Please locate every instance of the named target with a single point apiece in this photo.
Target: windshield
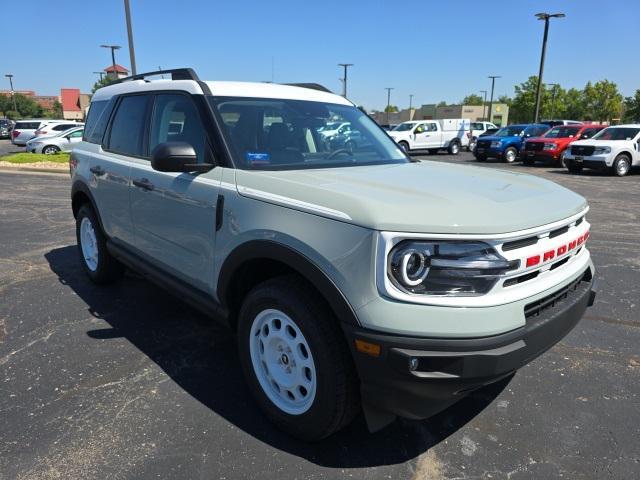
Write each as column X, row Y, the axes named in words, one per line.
column 403, row 127
column 562, row 132
column 277, row 134
column 617, row 133
column 512, row 131
column 477, row 126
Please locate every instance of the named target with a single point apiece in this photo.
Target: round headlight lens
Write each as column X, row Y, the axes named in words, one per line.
column 414, row 267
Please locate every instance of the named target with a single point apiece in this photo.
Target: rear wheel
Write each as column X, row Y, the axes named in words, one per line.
column 622, row 165
column 454, row 147
column 98, row 263
column 295, row 359
column 510, row 155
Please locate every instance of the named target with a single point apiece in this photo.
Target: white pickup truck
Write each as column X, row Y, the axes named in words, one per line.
column 433, row 135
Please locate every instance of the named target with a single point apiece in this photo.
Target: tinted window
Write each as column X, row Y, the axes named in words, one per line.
column 175, row 119
column 562, row 132
column 27, row 125
column 64, row 126
column 96, row 122
column 617, row 133
column 75, row 134
column 127, row 127
column 477, row 126
column 590, row 132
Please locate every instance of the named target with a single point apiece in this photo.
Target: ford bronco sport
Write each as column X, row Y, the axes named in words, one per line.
column 354, row 278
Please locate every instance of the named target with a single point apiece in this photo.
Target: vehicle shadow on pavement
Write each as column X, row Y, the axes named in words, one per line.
column 200, row 356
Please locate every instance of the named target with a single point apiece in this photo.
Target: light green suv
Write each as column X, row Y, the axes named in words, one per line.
column 354, row 277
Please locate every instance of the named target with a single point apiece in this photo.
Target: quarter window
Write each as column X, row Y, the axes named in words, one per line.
column 175, row 119
column 127, row 127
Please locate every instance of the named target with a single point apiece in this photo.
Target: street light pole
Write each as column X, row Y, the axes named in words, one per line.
column 344, row 78
column 493, row 83
column 545, row 17
column 132, row 55
column 113, row 57
column 484, row 106
column 411, row 106
column 388, row 89
column 13, row 94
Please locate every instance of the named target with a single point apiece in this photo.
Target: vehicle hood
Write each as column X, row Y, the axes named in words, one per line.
column 599, row 143
column 424, row 197
column 493, row 138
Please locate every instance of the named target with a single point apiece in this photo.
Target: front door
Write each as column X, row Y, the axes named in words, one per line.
column 420, row 136
column 174, row 214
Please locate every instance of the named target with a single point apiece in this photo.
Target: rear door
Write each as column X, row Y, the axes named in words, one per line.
column 174, row 214
column 434, row 135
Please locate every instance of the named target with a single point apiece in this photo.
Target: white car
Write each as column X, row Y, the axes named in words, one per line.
column 433, row 135
column 333, row 128
column 615, row 148
column 54, row 127
column 62, row 142
column 24, row 130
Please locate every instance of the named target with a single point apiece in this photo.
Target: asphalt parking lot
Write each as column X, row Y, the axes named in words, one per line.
column 128, row 382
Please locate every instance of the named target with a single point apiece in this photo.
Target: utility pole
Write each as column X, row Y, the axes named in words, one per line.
column 13, row 94
column 344, row 78
column 113, row 57
column 545, row 17
column 388, row 89
column 484, row 106
column 132, row 55
column 411, row 106
column 493, row 83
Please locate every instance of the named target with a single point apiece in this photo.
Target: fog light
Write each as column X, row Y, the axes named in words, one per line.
column 413, row 364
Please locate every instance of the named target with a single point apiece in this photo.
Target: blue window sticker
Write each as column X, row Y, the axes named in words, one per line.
column 258, row 158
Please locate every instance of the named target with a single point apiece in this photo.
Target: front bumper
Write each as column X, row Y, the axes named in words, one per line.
column 488, row 152
column 418, row 377
column 541, row 155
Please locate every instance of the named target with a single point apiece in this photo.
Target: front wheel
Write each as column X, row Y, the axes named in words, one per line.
column 510, row 155
column 621, row 165
column 98, row 263
column 295, row 359
column 404, row 146
column 50, row 150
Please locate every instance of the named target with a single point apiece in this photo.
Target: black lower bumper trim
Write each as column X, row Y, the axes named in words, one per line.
column 418, row 377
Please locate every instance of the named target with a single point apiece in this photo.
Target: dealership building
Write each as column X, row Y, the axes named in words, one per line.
column 499, row 113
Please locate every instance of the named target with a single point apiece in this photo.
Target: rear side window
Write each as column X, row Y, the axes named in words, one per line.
column 64, row 126
column 27, row 125
column 128, row 126
column 96, row 123
column 590, row 132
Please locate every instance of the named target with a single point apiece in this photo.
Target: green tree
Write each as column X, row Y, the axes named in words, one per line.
column 573, row 103
column 56, row 111
column 504, row 99
column 523, row 105
column 472, row 99
column 390, row 108
column 632, row 108
column 442, row 104
column 602, row 100
column 103, row 82
column 27, row 107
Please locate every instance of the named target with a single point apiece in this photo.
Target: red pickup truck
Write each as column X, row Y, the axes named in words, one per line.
column 551, row 146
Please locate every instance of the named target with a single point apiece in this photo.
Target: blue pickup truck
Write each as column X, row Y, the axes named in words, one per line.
column 507, row 142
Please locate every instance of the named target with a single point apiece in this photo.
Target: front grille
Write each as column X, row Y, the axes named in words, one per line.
column 533, row 146
column 515, row 244
column 483, row 143
column 550, row 301
column 585, row 150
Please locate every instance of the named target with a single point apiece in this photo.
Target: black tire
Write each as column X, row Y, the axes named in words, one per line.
column 621, row 165
column 50, row 150
column 404, row 146
column 510, row 155
column 108, row 269
column 337, row 398
column 472, row 145
column 573, row 168
column 454, row 147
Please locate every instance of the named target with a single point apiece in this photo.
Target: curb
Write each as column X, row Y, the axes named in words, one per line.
column 37, row 170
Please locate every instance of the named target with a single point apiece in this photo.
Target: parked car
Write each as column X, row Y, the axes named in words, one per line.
column 333, row 128
column 477, row 130
column 25, row 130
column 432, row 135
column 507, row 142
column 54, row 127
column 352, row 280
column 555, row 123
column 62, row 142
column 615, row 149
column 550, row 147
column 351, row 139
column 5, row 128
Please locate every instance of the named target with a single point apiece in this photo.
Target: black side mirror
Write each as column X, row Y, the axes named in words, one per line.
column 177, row 157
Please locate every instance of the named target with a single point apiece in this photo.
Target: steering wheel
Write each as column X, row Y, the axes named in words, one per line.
column 337, row 152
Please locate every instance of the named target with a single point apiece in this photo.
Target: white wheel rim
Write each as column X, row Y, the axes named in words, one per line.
column 622, row 167
column 282, row 361
column 454, row 148
column 49, row 151
column 89, row 244
column 511, row 156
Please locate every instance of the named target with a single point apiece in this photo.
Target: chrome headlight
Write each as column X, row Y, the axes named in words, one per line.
column 601, row 150
column 446, row 268
column 550, row 146
column 496, row 144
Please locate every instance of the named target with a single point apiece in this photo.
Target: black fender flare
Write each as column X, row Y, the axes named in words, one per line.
column 81, row 187
column 270, row 250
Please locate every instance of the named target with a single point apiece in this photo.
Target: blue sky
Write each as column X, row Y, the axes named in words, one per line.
column 436, row 50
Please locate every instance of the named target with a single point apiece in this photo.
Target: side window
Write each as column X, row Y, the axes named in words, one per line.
column 175, row 119
column 75, row 134
column 588, row 133
column 432, row 127
column 127, row 127
column 421, row 128
column 97, row 119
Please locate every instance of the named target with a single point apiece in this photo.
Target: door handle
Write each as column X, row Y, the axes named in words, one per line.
column 97, row 170
column 144, row 183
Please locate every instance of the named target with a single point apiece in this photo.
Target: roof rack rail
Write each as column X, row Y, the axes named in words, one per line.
column 176, row 74
column 312, row 86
